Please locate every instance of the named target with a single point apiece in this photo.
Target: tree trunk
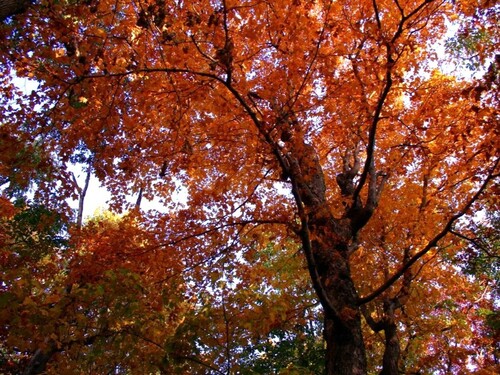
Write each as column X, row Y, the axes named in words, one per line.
column 82, row 194
column 12, row 7
column 326, row 241
column 345, row 349
column 345, row 352
column 392, row 348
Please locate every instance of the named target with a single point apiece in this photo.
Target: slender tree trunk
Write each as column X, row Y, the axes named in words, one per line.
column 392, row 350
column 11, row 7
column 83, row 194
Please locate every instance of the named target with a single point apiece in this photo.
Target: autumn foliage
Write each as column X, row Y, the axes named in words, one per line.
column 295, row 185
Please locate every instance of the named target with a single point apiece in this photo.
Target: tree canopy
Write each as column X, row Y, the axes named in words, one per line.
column 324, row 182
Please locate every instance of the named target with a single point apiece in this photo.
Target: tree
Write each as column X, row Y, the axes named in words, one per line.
column 322, row 125
column 84, row 300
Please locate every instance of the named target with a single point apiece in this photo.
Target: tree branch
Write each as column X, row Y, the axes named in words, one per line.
column 311, row 262
column 373, row 132
column 314, row 57
column 432, row 243
column 474, row 242
column 83, row 192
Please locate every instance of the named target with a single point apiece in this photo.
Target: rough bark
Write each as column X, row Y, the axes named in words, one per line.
column 10, row 8
column 326, row 241
column 345, row 351
column 343, row 334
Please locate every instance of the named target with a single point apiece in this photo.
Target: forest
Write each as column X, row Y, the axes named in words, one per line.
column 295, row 187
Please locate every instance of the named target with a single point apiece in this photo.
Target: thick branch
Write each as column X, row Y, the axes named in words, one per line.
column 375, row 187
column 152, row 70
column 226, row 53
column 377, row 16
column 345, row 180
column 267, row 137
column 376, row 326
column 311, row 262
column 246, row 106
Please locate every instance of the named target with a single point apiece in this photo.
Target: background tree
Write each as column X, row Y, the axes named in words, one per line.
column 320, row 126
